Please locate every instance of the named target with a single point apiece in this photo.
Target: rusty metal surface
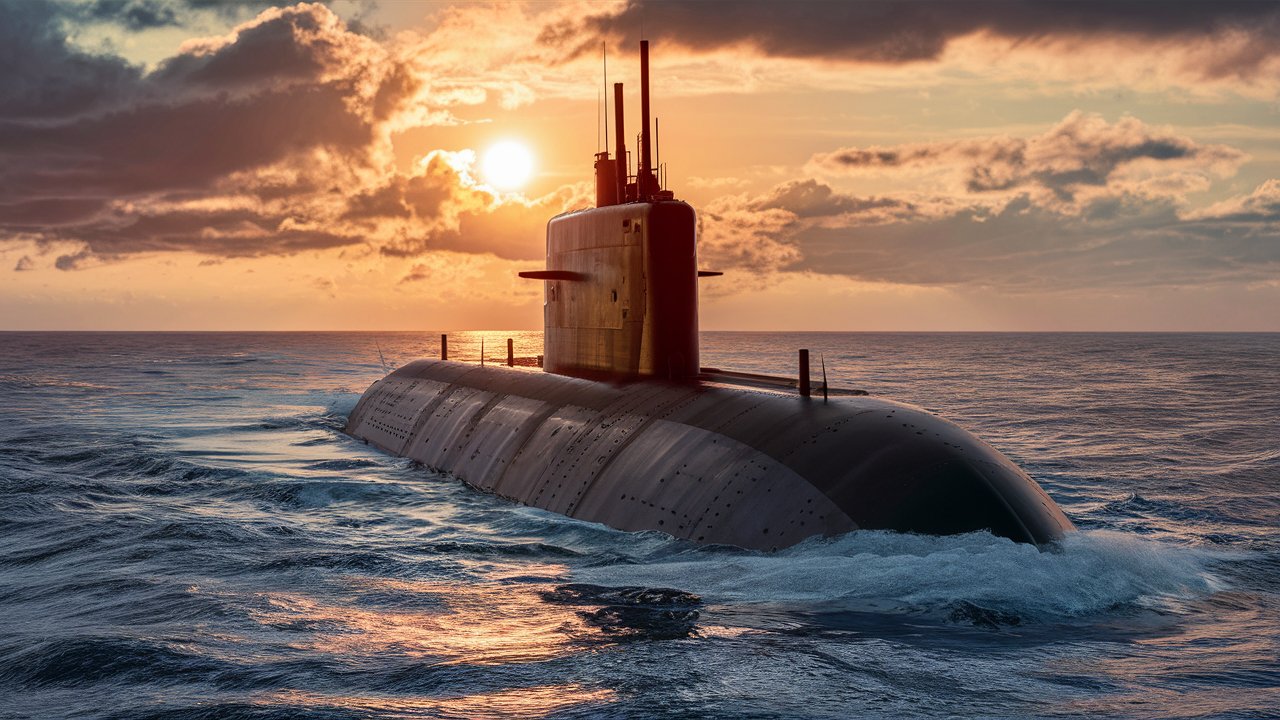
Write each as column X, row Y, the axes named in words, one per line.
column 630, row 308
column 706, row 462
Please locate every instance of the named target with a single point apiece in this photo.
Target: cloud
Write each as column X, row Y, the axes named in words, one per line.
column 1021, row 247
column 883, row 32
column 1260, row 206
column 46, row 78
column 24, row 264
column 462, row 278
column 812, row 199
column 132, row 14
column 274, row 138
column 215, row 109
column 77, row 260
column 139, row 15
column 1081, row 157
column 733, row 234
column 1085, row 204
column 417, row 273
column 442, row 207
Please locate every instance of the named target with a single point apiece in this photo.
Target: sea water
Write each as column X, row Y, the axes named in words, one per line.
column 186, row 533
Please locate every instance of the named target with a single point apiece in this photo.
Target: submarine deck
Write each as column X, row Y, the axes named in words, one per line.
column 735, row 458
column 776, row 383
column 710, row 377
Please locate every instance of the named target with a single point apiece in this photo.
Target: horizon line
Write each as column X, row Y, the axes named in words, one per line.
column 501, row 330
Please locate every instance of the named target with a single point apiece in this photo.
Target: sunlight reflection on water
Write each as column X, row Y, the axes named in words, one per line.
column 525, row 702
column 448, row 622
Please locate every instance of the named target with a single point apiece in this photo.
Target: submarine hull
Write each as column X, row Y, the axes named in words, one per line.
column 703, row 461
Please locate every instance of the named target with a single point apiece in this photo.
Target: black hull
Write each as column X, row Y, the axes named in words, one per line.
column 704, row 462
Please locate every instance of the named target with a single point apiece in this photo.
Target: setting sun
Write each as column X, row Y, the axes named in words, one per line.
column 507, row 165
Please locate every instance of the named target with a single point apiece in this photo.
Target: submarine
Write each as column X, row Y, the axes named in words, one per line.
column 622, row 426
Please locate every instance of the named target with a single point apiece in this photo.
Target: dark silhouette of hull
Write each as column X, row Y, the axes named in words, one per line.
column 702, row 461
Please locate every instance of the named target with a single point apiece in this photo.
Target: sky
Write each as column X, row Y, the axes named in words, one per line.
column 954, row 165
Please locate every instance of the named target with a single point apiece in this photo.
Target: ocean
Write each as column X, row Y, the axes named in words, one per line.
column 186, row 533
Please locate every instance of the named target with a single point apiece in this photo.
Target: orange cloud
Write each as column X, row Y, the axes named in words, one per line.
column 272, row 139
column 1260, row 206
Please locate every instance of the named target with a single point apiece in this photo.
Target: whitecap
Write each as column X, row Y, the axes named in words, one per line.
column 1091, row 571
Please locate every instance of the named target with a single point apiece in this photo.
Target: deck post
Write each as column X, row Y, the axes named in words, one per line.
column 804, row 373
column 444, row 346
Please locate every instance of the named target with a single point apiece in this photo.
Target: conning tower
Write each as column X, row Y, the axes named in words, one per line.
column 621, row 295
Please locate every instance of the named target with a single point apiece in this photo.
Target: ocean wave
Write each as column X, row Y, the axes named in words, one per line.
column 1091, row 572
column 287, row 422
column 89, row 660
column 318, row 494
column 534, row 550
column 10, row 381
column 341, row 558
column 341, row 465
column 344, row 402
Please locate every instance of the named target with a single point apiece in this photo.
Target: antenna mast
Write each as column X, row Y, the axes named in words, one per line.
column 607, row 184
column 657, row 151
column 643, row 180
column 620, row 137
column 604, row 61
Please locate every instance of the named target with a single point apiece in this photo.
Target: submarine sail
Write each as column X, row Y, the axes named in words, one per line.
column 622, row 426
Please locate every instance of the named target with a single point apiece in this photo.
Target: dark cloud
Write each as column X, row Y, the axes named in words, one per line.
column 283, row 47
column 156, row 147
column 225, row 233
column 24, row 264
column 880, row 31
column 1020, row 247
column 212, row 152
column 137, row 15
column 40, row 213
column 76, row 260
column 810, row 198
column 1143, row 243
column 46, row 79
column 271, row 140
column 1119, row 238
column 131, row 14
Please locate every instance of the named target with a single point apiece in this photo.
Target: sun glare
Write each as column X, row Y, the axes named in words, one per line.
column 507, row 165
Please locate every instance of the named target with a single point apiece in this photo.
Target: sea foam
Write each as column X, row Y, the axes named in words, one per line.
column 1089, row 572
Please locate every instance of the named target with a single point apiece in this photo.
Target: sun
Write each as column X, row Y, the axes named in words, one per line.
column 507, row 165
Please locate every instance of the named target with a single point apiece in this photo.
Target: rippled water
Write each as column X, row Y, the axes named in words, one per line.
column 185, row 533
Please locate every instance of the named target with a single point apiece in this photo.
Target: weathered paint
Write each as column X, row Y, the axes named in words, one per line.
column 702, row 461
column 631, row 307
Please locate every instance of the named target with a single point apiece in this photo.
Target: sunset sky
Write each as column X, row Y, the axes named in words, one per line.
column 994, row 165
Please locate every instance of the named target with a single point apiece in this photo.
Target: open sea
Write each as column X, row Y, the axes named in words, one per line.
column 186, row 533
